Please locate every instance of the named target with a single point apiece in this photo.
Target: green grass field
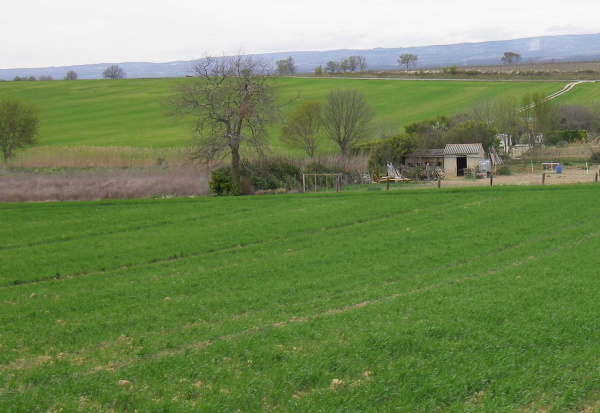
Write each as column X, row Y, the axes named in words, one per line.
column 454, row 300
column 130, row 112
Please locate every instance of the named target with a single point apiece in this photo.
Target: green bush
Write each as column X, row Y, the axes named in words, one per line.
column 271, row 173
column 319, row 168
column 222, row 184
column 595, row 157
column 570, row 136
column 504, row 170
column 391, row 150
column 450, row 69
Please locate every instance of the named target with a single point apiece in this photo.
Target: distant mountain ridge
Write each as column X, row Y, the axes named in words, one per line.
column 533, row 49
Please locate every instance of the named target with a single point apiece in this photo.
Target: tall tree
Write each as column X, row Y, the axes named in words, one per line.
column 71, row 75
column 332, row 67
column 361, row 61
column 353, row 63
column 344, row 65
column 346, row 117
column 510, row 58
column 482, row 111
column 302, row 128
column 573, row 117
column 407, row 60
column 18, row 126
column 538, row 115
column 286, row 66
column 114, row 72
column 473, row 131
column 232, row 100
column 506, row 120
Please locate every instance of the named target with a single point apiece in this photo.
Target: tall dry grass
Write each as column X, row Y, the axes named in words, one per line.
column 354, row 164
column 96, row 184
column 580, row 152
column 99, row 157
column 113, row 172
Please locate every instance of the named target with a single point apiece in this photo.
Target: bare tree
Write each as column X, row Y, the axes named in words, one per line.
column 18, row 126
column 357, row 62
column 573, row 117
column 361, row 61
column 482, row 111
column 302, row 128
column 232, row 100
column 538, row 114
column 71, row 75
column 45, row 77
column 346, row 117
column 352, row 63
column 506, row 120
column 407, row 60
column 113, row 72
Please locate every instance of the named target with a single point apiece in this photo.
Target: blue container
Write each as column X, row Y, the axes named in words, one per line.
column 558, row 169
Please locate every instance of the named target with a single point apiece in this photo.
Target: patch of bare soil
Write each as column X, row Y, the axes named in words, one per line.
column 568, row 176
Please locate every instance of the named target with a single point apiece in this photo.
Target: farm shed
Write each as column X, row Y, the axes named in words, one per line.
column 433, row 157
column 461, row 156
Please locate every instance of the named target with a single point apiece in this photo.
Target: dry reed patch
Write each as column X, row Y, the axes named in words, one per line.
column 99, row 157
column 96, row 184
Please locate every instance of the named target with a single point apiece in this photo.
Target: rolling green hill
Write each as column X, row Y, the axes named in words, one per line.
column 131, row 112
column 481, row 299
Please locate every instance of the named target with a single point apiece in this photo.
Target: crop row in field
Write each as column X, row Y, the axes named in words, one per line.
column 432, row 300
column 593, row 67
column 131, row 112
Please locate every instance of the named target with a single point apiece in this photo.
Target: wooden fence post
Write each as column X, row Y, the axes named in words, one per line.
column 544, row 178
column 439, row 182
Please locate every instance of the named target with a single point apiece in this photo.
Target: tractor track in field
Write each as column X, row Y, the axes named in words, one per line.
column 179, row 257
column 80, row 356
column 176, row 257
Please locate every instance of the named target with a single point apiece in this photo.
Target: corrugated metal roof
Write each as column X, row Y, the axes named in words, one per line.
column 436, row 152
column 462, row 148
column 428, row 152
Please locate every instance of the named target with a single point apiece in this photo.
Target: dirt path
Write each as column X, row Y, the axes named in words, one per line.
column 568, row 176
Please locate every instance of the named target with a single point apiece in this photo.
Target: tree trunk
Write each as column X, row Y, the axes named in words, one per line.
column 343, row 150
column 235, row 163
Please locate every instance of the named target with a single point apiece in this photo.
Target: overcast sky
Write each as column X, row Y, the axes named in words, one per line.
column 43, row 33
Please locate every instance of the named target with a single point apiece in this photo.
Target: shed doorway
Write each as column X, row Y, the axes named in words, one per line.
column 461, row 165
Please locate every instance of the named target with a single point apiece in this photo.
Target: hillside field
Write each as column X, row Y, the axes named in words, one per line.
column 131, row 112
column 454, row 300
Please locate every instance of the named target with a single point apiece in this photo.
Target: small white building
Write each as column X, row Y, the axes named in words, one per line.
column 461, row 156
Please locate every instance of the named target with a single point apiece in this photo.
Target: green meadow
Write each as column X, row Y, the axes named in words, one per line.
column 132, row 112
column 453, row 300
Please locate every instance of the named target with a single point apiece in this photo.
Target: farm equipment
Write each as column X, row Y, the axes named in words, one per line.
column 393, row 175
